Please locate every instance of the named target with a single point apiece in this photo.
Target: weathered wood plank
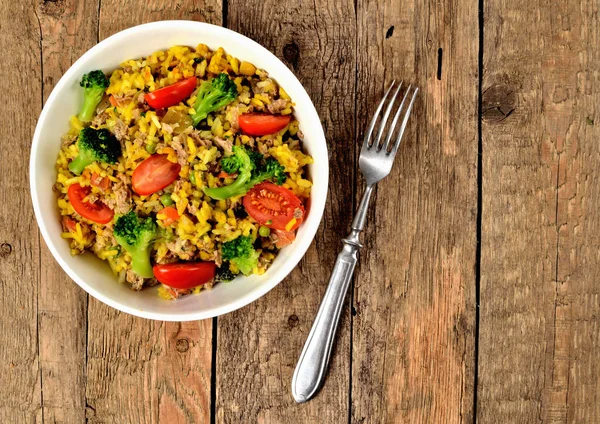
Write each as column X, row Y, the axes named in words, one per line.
column 68, row 29
column 138, row 370
column 414, row 294
column 21, row 88
column 258, row 346
column 540, row 223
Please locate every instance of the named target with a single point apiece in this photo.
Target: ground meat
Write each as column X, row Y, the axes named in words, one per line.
column 168, row 258
column 294, row 144
column 134, row 280
column 235, row 114
column 226, row 145
column 263, row 262
column 100, row 119
column 140, row 140
column 92, row 198
column 122, row 202
column 178, row 185
column 251, row 142
column 168, row 128
column 177, row 145
column 136, row 114
column 67, row 140
column 277, row 106
column 141, row 98
column 192, row 208
column 121, row 130
column 195, row 135
column 182, row 248
column 217, row 257
column 263, row 148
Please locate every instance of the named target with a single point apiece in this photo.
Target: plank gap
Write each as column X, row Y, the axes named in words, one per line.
column 213, row 374
column 479, row 206
column 439, row 67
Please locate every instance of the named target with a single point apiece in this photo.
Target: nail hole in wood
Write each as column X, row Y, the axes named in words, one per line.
column 389, row 32
column 182, row 345
column 5, row 250
column 293, row 321
column 291, row 53
column 439, row 67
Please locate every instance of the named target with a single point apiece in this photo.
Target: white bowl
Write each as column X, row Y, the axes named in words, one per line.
column 94, row 275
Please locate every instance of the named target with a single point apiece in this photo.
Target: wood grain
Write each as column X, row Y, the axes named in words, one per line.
column 138, row 370
column 258, row 346
column 67, row 31
column 19, row 241
column 539, row 294
column 414, row 293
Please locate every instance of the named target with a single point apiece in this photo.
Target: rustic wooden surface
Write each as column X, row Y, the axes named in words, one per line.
column 476, row 295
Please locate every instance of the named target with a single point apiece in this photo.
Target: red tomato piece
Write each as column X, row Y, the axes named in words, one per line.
column 185, row 275
column 274, row 206
column 113, row 101
column 98, row 181
column 69, row 224
column 224, row 174
column 171, row 94
column 97, row 211
column 171, row 215
column 257, row 124
column 284, row 238
column 153, row 174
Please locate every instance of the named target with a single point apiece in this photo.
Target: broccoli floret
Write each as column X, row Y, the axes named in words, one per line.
column 94, row 85
column 95, row 145
column 224, row 273
column 241, row 253
column 213, row 95
column 137, row 235
column 252, row 169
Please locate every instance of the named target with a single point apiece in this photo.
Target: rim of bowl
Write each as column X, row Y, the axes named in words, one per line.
column 317, row 205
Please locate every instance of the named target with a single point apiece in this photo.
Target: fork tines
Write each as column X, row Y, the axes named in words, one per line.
column 402, row 111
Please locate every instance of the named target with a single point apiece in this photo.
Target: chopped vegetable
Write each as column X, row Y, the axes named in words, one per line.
column 213, row 95
column 151, row 148
column 274, row 206
column 101, row 182
column 171, row 94
column 137, row 235
column 258, row 124
column 95, row 145
column 153, row 174
column 185, row 275
column 170, row 215
column 166, row 200
column 241, row 253
column 94, row 85
column 264, row 231
column 96, row 211
column 252, row 169
column 224, row 273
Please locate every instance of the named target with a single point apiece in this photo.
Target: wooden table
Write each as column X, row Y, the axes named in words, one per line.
column 477, row 294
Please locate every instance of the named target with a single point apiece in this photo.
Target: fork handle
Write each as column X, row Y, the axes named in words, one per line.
column 314, row 359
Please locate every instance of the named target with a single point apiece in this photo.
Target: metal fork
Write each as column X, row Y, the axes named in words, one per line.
column 376, row 160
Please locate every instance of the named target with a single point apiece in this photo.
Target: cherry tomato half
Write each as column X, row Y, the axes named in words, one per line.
column 153, row 174
column 185, row 275
column 171, row 94
column 274, row 206
column 97, row 211
column 262, row 123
